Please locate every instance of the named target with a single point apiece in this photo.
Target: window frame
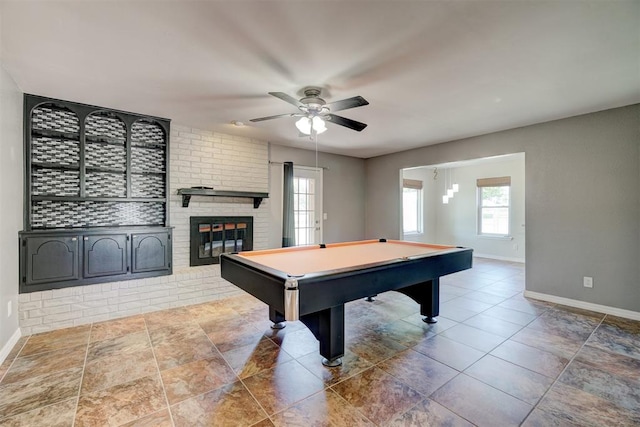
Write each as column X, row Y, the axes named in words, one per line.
column 496, row 182
column 416, row 185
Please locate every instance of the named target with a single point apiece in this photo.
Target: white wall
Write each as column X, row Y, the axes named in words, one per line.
column 11, row 194
column 582, row 200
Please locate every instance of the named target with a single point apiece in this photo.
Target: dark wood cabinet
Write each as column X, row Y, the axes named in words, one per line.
column 105, row 255
column 83, row 257
column 51, row 259
column 96, row 195
column 150, row 252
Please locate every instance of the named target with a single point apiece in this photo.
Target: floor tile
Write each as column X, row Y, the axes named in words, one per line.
column 13, row 353
column 121, row 404
column 117, row 369
column 418, row 371
column 126, row 344
column 548, row 341
column 467, row 304
column 618, row 335
column 404, row 333
column 475, row 338
column 538, row 418
column 59, row 414
column 493, row 325
column 484, row 297
column 373, row 347
column 55, row 340
column 231, row 405
column 449, row 352
column 39, row 391
column 520, row 303
column 534, row 359
column 440, row 326
column 325, row 408
column 252, row 359
column 117, row 328
column 165, row 318
column 296, row 343
column 377, row 394
column 614, row 363
column 212, row 311
column 585, row 409
column 280, row 387
column 195, row 378
column 25, row 368
column 352, row 364
column 161, row 418
column 172, row 348
column 568, row 324
column 624, row 391
column 513, row 316
column 517, row 381
column 227, row 335
column 481, row 404
column 428, row 413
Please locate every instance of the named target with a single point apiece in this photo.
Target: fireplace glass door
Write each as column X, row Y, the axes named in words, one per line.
column 212, row 236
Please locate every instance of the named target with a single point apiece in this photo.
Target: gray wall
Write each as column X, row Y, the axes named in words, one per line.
column 343, row 197
column 11, row 209
column 582, row 200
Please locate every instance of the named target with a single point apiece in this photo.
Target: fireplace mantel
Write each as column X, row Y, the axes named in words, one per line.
column 186, row 194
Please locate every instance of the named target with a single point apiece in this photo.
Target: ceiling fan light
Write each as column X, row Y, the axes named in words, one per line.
column 304, row 125
column 318, row 125
column 456, row 188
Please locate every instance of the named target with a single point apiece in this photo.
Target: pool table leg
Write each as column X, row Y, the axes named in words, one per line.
column 277, row 318
column 427, row 294
column 328, row 327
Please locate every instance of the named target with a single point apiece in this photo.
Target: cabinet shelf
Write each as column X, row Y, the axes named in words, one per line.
column 104, row 140
column 42, row 165
column 186, row 194
column 98, row 199
column 55, row 134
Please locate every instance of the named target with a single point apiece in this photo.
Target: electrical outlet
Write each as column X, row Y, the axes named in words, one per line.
column 9, row 309
column 587, row 282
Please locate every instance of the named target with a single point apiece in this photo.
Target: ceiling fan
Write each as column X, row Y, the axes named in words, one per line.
column 314, row 111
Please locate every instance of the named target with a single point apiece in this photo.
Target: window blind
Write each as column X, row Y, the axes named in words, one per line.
column 502, row 181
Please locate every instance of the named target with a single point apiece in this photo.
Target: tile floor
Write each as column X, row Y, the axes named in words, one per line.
column 493, row 359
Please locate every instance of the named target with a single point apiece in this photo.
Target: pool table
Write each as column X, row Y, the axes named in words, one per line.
column 312, row 283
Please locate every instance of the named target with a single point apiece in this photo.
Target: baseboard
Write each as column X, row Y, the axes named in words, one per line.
column 627, row 314
column 9, row 345
column 499, row 258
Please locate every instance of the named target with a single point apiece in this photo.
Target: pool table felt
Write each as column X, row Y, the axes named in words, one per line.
column 312, row 259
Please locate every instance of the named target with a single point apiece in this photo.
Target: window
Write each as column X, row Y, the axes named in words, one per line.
column 494, row 201
column 303, row 209
column 411, row 206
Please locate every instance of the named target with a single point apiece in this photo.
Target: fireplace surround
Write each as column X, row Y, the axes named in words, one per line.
column 212, row 235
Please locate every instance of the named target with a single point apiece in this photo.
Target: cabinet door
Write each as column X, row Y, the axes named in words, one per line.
column 105, row 255
column 51, row 259
column 150, row 252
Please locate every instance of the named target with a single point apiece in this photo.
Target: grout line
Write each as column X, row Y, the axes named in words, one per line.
column 155, row 359
column 84, row 367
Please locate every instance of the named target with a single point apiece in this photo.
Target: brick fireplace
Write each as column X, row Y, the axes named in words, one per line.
column 211, row 236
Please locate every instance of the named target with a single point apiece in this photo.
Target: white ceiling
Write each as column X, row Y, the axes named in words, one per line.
column 433, row 71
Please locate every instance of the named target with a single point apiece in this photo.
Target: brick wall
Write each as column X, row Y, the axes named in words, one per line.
column 197, row 157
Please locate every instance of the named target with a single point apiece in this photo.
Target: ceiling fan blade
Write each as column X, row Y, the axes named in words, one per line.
column 260, row 119
column 286, row 98
column 343, row 121
column 356, row 101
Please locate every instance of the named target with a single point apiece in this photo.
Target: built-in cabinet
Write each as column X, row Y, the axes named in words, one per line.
column 96, row 195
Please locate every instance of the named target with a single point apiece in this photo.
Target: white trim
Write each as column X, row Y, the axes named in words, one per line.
column 614, row 311
column 499, row 258
column 9, row 345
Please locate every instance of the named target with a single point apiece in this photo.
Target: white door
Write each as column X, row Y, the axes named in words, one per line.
column 307, row 204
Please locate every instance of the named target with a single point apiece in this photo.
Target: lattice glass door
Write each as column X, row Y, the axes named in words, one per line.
column 307, row 202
